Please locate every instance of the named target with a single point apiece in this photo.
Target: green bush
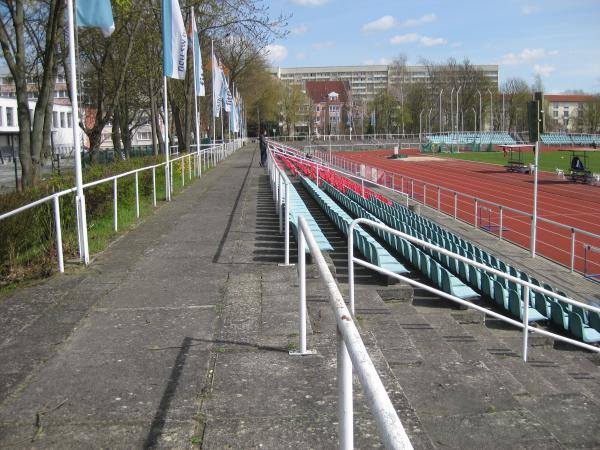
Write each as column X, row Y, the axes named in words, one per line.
column 28, row 244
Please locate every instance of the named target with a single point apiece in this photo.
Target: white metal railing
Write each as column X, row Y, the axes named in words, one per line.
column 526, row 286
column 447, row 201
column 351, row 350
column 211, row 154
column 351, row 353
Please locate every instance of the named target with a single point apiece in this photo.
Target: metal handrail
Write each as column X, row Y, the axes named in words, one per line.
column 351, row 352
column 527, row 286
column 212, row 155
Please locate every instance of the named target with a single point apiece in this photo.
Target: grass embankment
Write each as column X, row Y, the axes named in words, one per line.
column 28, row 243
column 549, row 161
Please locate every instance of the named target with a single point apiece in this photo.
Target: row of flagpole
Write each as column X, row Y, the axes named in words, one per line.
column 98, row 14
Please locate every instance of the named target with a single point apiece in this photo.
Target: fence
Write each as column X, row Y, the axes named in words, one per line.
column 351, row 351
column 211, row 155
column 556, row 241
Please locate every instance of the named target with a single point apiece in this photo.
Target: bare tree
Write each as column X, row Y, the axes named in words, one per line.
column 25, row 26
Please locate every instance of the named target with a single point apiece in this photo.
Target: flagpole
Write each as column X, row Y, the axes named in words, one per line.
column 196, row 95
column 167, row 149
column 212, row 62
column 84, row 253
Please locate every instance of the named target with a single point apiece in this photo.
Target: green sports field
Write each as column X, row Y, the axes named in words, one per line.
column 549, row 160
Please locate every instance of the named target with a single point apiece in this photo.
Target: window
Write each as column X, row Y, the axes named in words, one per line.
column 55, row 122
column 144, row 136
column 556, row 113
column 1, row 116
column 334, row 108
column 63, row 120
column 69, row 119
column 10, row 117
column 566, row 113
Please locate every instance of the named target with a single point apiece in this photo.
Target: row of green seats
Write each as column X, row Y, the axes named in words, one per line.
column 366, row 245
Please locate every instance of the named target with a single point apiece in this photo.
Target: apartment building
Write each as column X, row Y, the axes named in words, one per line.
column 564, row 108
column 365, row 81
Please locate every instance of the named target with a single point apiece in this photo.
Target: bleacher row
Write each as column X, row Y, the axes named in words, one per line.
column 450, row 275
column 570, row 139
column 498, row 138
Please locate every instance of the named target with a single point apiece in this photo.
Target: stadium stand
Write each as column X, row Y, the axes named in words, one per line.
column 451, row 276
column 496, row 138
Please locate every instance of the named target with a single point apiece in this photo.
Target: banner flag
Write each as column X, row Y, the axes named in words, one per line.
column 175, row 41
column 96, row 14
column 197, row 55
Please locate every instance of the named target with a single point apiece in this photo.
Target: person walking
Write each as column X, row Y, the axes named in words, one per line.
column 263, row 148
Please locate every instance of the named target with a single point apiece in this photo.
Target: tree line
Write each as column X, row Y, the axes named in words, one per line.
column 120, row 77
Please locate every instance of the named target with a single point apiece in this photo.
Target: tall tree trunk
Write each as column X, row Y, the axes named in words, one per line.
column 116, row 133
column 153, row 116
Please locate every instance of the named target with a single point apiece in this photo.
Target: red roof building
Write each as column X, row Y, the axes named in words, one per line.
column 331, row 103
column 564, row 108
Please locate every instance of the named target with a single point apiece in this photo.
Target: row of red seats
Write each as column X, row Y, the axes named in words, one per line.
column 338, row 181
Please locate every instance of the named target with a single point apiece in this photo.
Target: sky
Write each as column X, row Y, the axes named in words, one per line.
column 557, row 39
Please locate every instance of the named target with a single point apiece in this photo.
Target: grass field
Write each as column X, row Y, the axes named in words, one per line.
column 549, row 161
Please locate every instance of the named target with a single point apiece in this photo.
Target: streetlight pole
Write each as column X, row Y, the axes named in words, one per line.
column 457, row 93
column 480, row 115
column 503, row 116
column 429, row 119
column 441, row 91
column 420, row 124
column 475, row 115
column 491, row 112
column 451, row 110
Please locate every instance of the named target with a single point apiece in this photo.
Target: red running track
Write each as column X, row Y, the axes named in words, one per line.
column 559, row 200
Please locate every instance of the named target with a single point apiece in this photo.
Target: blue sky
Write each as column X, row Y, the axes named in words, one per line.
column 559, row 39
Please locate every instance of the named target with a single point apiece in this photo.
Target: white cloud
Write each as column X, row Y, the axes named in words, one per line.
column 543, row 70
column 323, row 45
column 430, row 42
column 381, row 61
column 310, row 2
column 530, row 9
column 275, row 53
column 300, row 29
column 527, row 55
column 427, row 18
column 300, row 55
column 404, row 38
column 426, row 41
column 381, row 24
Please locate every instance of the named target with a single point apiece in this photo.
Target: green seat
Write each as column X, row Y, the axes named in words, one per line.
column 579, row 329
column 516, row 307
column 559, row 315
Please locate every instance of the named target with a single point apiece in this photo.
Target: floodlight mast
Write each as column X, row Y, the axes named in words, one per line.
column 441, row 91
column 535, row 184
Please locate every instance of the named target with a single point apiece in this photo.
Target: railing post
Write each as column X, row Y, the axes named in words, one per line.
column 287, row 225
column 573, row 249
column 402, row 184
column 58, row 228
column 171, row 179
column 317, row 175
column 137, row 196
column 362, row 187
column 424, row 194
column 533, row 236
column 115, row 206
column 351, row 267
column 475, row 215
column 182, row 172
column 345, row 407
column 501, row 226
column 455, row 205
column 190, row 166
column 412, row 189
column 525, row 320
column 154, row 186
